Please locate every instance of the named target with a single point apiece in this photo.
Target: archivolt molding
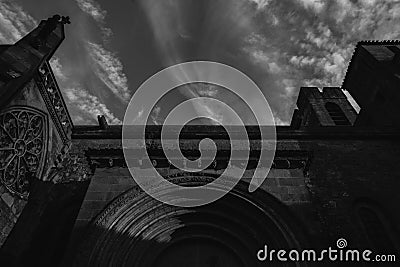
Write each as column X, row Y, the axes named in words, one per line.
column 136, row 195
column 134, row 223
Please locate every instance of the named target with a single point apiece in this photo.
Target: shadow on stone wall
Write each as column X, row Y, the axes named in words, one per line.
column 136, row 230
column 42, row 231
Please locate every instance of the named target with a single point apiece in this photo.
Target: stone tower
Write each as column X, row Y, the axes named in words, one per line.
column 327, row 108
column 373, row 79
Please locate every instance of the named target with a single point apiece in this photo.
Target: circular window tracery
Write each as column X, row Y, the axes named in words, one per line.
column 23, row 142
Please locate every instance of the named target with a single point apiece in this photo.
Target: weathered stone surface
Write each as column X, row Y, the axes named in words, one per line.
column 8, row 199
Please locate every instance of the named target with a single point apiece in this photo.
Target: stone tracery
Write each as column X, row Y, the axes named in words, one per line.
column 23, row 143
column 53, row 98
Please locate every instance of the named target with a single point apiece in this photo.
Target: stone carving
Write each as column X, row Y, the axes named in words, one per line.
column 48, row 27
column 23, row 147
column 54, row 101
column 71, row 167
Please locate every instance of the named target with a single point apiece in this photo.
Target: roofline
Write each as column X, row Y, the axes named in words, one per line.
column 217, row 132
column 365, row 42
column 378, row 42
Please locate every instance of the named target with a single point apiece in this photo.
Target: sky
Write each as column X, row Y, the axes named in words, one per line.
column 112, row 47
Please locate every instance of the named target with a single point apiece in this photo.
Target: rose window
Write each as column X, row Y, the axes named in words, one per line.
column 23, row 135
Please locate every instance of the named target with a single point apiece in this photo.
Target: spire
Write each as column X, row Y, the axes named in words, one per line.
column 48, row 35
column 19, row 62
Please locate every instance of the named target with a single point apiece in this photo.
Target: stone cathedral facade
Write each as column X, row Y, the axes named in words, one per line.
column 68, row 199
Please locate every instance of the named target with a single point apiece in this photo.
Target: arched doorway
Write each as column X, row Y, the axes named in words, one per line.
column 136, row 230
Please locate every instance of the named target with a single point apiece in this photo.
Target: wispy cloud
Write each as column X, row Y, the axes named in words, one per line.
column 203, row 89
column 155, row 115
column 261, row 3
column 109, row 70
column 165, row 19
column 266, row 60
column 58, row 69
column 83, row 106
column 281, row 45
column 14, row 22
column 94, row 10
column 315, row 5
column 89, row 104
column 313, row 50
column 138, row 119
column 204, row 107
column 172, row 25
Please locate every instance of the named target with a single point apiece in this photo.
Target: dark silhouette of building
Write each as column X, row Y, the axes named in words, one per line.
column 68, row 199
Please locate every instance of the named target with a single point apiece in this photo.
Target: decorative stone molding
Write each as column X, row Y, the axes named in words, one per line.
column 23, row 147
column 54, row 101
column 72, row 167
column 116, row 233
column 105, row 157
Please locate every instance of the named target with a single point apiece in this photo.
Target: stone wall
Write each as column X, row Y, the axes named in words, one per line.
column 342, row 174
column 10, row 210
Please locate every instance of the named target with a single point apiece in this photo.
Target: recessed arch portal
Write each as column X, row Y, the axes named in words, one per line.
column 137, row 230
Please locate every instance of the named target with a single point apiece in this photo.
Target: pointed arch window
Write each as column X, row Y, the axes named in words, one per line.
column 337, row 114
